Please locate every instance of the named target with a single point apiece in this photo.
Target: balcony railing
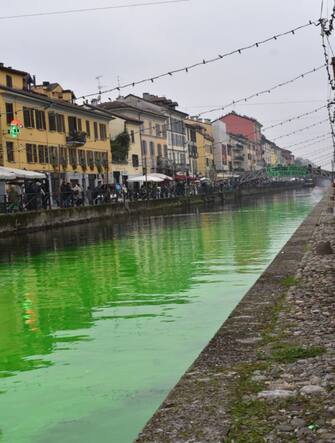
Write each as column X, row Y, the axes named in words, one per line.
column 76, row 139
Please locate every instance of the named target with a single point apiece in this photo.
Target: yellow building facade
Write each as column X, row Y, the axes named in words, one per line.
column 131, row 164
column 55, row 136
column 154, row 142
column 205, row 146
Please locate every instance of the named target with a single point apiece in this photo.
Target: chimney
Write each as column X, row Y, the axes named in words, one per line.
column 46, row 83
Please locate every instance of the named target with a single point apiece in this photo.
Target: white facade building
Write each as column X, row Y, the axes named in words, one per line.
column 221, row 141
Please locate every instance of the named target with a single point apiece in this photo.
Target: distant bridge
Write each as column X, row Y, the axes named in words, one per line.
column 288, row 172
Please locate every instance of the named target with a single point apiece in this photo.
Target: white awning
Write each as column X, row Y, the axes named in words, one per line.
column 145, row 178
column 23, row 174
column 6, row 175
column 162, row 176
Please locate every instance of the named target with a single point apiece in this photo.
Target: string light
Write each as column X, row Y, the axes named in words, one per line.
column 206, row 62
column 301, row 130
column 329, row 30
column 266, row 91
column 320, row 137
column 326, row 32
column 298, row 117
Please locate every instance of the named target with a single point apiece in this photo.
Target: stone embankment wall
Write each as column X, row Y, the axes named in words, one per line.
column 269, row 373
column 39, row 220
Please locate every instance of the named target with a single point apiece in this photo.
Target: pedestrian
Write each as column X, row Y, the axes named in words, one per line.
column 13, row 199
column 77, row 194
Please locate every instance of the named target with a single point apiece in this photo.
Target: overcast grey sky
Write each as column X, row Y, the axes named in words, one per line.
column 139, row 42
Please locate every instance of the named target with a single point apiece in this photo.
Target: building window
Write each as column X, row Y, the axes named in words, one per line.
column 52, row 121
column 152, row 150
column 40, row 119
column 60, row 123
column 88, row 129
column 159, row 150
column 56, row 122
column 41, row 154
column 165, row 151
column 158, row 130
column 31, row 151
column 73, row 157
column 10, row 151
column 79, row 125
column 135, row 161
column 53, row 156
column 9, row 113
column 9, row 81
column 103, row 131
column 72, row 121
column 150, row 127
column 96, row 133
column 90, row 159
column 28, row 117
column 132, row 136
column 82, row 158
column 46, row 154
column 144, row 147
column 63, row 157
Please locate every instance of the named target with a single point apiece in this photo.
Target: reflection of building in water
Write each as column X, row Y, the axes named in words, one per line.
column 152, row 267
column 130, row 271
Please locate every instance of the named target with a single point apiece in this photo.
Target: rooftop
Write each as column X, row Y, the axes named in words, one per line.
column 246, row 117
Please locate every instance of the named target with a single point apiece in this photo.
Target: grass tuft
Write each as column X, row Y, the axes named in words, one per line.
column 290, row 281
column 289, row 354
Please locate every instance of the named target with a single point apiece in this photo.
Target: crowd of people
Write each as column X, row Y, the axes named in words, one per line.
column 30, row 196
column 34, row 195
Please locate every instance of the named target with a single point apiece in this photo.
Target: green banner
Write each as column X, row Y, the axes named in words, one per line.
column 287, row 171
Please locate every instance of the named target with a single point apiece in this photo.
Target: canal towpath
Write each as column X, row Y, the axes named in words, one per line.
column 269, row 373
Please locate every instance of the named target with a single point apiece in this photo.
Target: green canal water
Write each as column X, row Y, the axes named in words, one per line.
column 98, row 322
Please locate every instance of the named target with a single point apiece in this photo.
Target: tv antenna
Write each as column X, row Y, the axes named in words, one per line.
column 100, row 87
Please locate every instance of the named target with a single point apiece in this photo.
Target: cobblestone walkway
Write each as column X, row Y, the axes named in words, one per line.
column 269, row 373
column 298, row 386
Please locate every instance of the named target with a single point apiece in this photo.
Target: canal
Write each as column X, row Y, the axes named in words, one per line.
column 98, row 322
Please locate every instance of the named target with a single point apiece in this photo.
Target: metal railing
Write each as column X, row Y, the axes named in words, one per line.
column 13, row 202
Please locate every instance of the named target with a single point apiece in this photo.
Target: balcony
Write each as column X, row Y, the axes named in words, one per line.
column 76, row 139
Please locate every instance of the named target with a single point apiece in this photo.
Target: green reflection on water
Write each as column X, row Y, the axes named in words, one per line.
column 92, row 337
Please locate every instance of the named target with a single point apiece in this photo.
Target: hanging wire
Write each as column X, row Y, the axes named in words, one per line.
column 103, row 8
column 320, row 137
column 203, row 62
column 298, row 117
column 301, row 129
column 265, row 91
column 327, row 28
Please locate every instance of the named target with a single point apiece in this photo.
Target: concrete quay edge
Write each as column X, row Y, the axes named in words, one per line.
column 198, row 409
column 41, row 220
